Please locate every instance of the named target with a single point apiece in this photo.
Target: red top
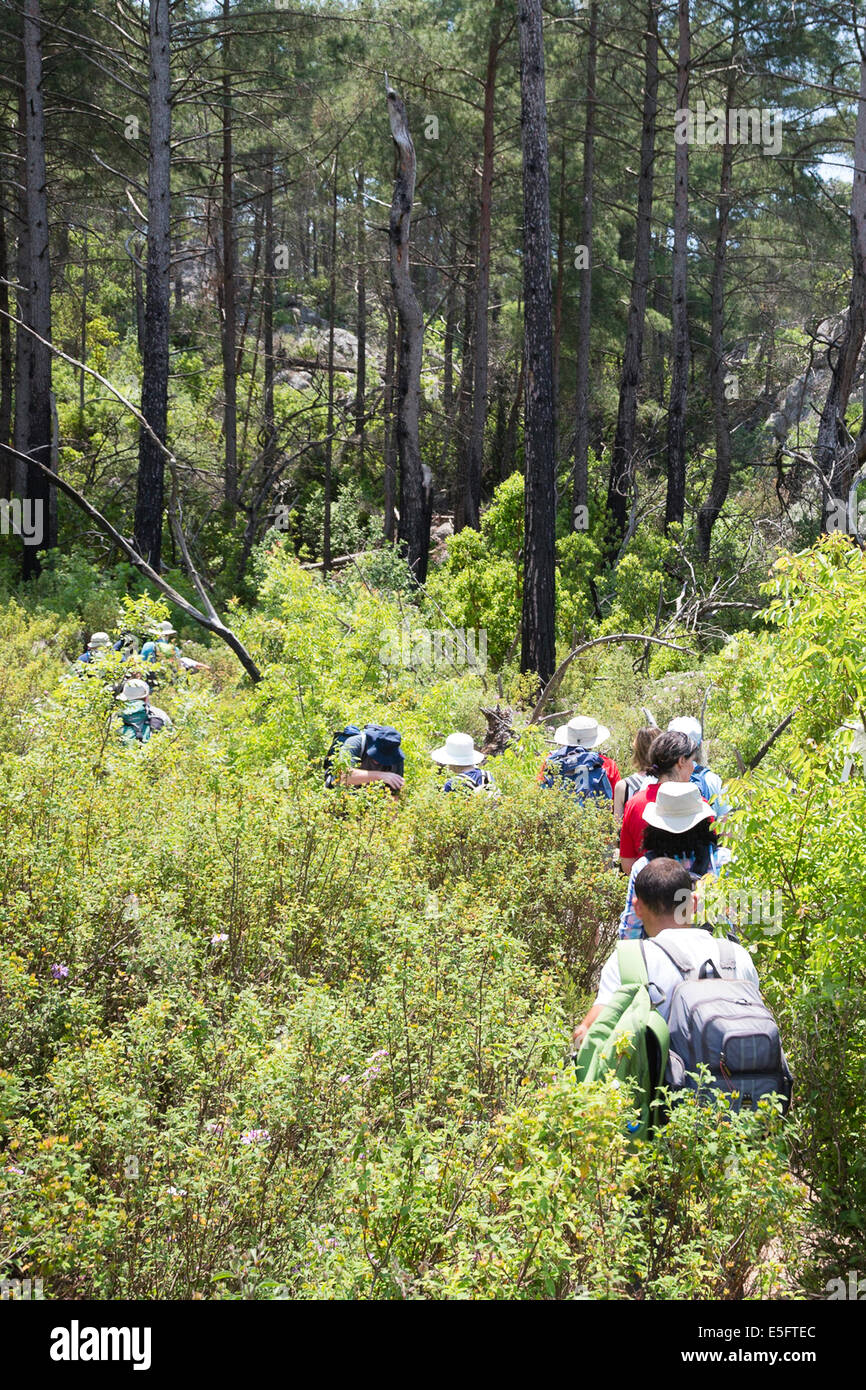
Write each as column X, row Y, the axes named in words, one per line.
column 631, row 834
column 613, row 772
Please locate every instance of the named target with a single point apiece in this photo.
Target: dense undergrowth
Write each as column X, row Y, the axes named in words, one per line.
column 263, row 1040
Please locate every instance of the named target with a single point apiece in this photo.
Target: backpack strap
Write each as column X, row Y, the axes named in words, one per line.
column 677, row 958
column 631, row 959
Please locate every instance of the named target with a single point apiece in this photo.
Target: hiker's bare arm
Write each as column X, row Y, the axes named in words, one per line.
column 586, row 1023
column 357, row 777
column 626, row 864
column 619, row 800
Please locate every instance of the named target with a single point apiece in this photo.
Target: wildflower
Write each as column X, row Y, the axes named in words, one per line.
column 19, row 1171
column 214, row 1127
column 218, row 938
column 60, row 971
column 255, row 1136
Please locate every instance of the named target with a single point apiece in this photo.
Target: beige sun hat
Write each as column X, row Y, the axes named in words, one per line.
column 99, row 639
column 678, row 807
column 164, row 630
column 458, row 750
column 581, row 732
column 134, row 690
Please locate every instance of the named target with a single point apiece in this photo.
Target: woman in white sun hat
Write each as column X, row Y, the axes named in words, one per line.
column 459, row 754
column 139, row 718
column 677, row 825
column 577, row 739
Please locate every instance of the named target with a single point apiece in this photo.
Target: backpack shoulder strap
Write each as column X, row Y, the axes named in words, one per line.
column 677, row 958
column 631, row 959
column 727, row 958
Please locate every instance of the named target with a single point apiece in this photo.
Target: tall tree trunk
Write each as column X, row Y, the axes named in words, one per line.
column 676, row 493
column 269, row 450
column 23, row 339
column 625, row 439
column 833, row 450
column 39, row 430
column 584, row 316
column 475, row 455
column 538, row 629
column 709, row 512
column 361, row 322
column 329, row 428
column 154, row 390
column 415, row 481
column 85, row 268
column 560, row 281
column 390, row 439
column 462, row 503
column 229, row 279
column 7, row 471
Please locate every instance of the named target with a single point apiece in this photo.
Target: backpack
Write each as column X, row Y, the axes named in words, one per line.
column 139, row 723
column 710, row 786
column 475, row 781
column 629, row 1039
column 634, row 784
column 723, row 1023
column 387, row 743
column 581, row 772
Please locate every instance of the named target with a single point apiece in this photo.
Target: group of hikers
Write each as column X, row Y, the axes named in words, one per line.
column 140, row 718
column 685, row 996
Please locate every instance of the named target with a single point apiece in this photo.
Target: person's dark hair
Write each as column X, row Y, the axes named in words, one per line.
column 661, row 883
column 694, row 844
column 641, row 745
column 666, row 752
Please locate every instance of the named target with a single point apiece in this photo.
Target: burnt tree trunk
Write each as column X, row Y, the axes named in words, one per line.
column 538, row 635
column 361, row 323
column 7, row 471
column 625, row 438
column 464, row 402
column 415, row 480
column 676, row 492
column 228, row 286
column 154, row 390
column 584, row 316
column 390, row 440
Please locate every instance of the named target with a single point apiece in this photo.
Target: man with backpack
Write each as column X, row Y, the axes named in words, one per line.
column 684, row 999
column 576, row 767
column 139, row 718
column 359, row 757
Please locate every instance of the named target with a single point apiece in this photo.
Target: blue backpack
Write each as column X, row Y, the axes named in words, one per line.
column 380, row 750
column 711, row 791
column 579, row 771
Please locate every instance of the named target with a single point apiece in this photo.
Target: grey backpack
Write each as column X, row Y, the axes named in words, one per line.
column 723, row 1023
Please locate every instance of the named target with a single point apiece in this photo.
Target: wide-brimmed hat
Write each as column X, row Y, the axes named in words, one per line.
column 99, row 639
column 678, row 807
column 688, row 725
column 458, row 750
column 581, row 732
column 164, row 630
column 134, row 690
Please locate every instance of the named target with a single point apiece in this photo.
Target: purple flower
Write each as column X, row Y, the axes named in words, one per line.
column 19, row 1171
column 60, row 971
column 254, row 1136
column 344, row 1079
column 218, row 938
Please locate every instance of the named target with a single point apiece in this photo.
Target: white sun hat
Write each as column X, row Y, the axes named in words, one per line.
column 858, row 742
column 581, row 732
column 688, row 725
column 99, row 639
column 458, row 750
column 678, row 807
column 134, row 690
column 164, row 630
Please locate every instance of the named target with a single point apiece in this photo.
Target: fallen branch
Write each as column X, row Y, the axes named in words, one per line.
column 554, row 682
column 765, row 747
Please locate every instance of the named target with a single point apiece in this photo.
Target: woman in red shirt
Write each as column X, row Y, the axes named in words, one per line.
column 672, row 759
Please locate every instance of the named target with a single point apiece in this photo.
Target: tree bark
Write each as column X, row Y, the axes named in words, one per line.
column 475, row 457
column 584, row 318
column 269, row 446
column 154, row 392
column 676, row 492
column 462, row 502
column 329, row 429
column 415, row 480
column 538, row 627
column 7, row 471
column 833, row 451
column 361, row 322
column 390, row 439
column 39, row 425
column 229, row 289
column 710, row 511
column 624, row 445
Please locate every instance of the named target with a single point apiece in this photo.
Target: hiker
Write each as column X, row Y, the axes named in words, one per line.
column 673, row 760
column 364, row 756
column 664, row 901
column 678, row 825
column 140, row 718
column 160, row 644
column 460, row 756
column 99, row 645
column 677, row 1002
column 628, row 787
column 710, row 783
column 576, row 767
